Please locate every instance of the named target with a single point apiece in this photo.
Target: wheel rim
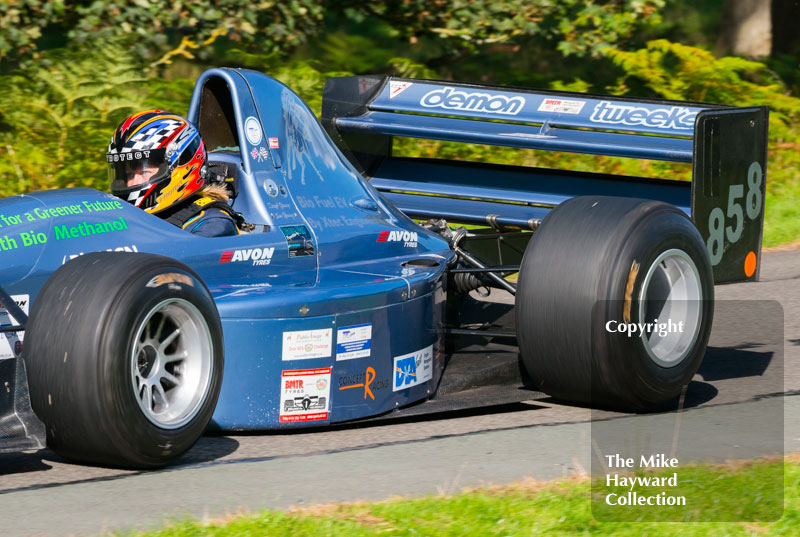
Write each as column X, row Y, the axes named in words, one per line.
column 171, row 363
column 671, row 291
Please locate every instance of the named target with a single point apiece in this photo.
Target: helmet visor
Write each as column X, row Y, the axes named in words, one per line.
column 136, row 169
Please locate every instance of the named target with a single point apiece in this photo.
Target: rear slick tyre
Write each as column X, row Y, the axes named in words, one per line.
column 596, row 260
column 125, row 357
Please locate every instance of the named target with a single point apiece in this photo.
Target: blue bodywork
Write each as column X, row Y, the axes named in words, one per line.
column 335, row 297
column 333, row 303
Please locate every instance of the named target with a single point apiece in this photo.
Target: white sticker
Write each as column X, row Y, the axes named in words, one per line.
column 305, row 395
column 468, row 102
column 252, row 130
column 396, row 88
column 561, row 106
column 11, row 342
column 307, row 344
column 413, row 369
column 353, row 342
column 674, row 117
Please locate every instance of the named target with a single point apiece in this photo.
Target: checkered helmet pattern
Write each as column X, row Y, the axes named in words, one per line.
column 153, row 129
column 156, row 139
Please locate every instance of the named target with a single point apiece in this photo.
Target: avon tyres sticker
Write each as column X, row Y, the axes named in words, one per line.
column 11, row 342
column 413, row 369
column 307, row 344
column 353, row 342
column 305, row 395
column 299, row 240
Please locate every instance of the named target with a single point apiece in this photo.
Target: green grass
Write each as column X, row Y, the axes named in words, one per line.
column 782, row 214
column 528, row 508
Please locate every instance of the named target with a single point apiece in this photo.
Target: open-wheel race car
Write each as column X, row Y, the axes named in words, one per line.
column 338, row 301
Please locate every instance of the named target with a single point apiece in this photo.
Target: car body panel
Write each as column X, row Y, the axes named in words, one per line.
column 327, row 254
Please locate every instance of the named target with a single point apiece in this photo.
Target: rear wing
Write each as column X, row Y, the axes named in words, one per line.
column 726, row 146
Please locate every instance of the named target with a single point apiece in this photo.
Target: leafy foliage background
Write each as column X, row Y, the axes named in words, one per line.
column 70, row 71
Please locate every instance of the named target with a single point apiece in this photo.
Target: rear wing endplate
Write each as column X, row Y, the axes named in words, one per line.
column 726, row 146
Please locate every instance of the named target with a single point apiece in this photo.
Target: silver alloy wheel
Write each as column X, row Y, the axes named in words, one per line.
column 171, row 363
column 671, row 292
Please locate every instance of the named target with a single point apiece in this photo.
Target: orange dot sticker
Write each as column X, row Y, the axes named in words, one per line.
column 750, row 264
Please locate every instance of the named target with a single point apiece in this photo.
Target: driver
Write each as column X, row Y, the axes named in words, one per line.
column 157, row 162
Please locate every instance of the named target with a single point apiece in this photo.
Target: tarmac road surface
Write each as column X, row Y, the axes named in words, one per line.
column 746, row 397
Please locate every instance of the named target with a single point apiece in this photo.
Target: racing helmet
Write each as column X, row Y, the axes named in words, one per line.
column 155, row 160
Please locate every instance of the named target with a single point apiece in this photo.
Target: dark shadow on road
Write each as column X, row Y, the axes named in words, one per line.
column 697, row 393
column 209, row 448
column 721, row 363
column 16, row 463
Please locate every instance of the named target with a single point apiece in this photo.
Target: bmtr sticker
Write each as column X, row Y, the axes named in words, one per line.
column 305, row 395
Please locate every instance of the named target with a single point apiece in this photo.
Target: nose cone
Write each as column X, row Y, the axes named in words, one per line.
column 24, row 231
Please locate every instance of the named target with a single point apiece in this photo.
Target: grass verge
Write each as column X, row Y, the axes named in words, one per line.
column 558, row 508
column 782, row 214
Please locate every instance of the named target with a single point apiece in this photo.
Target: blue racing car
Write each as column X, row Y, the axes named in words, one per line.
column 124, row 337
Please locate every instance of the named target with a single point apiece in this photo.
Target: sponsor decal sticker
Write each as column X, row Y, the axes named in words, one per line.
column 396, row 88
column 11, row 342
column 413, row 369
column 353, row 342
column 488, row 103
column 408, row 238
column 252, row 129
column 169, row 278
column 131, row 248
column 673, row 117
column 256, row 256
column 262, row 151
column 132, row 155
column 561, row 106
column 305, row 395
column 299, row 241
column 365, row 380
column 307, row 344
column 273, row 143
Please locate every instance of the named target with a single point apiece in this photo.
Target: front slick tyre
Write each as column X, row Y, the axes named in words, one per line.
column 599, row 259
column 125, row 358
